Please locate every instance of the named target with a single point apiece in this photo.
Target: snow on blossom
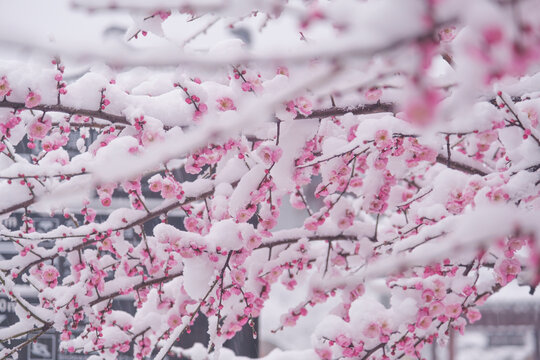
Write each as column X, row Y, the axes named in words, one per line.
column 447, row 34
column 32, row 99
column 225, row 104
column 324, row 353
column 395, row 173
column 373, row 94
column 50, row 275
column 39, row 128
column 382, row 139
column 373, row 330
column 4, row 87
column 303, row 105
column 170, row 188
column 155, row 183
column 282, row 70
column 269, row 153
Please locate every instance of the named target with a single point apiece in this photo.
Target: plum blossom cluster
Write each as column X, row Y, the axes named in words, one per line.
column 300, row 105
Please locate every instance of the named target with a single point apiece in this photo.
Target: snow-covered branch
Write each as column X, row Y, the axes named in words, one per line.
column 398, row 131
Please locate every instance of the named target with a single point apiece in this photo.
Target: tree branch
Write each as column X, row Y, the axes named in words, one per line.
column 68, row 110
column 459, row 166
column 355, row 110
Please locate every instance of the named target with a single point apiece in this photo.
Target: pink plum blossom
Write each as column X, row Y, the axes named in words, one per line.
column 269, row 153
column 447, row 34
column 225, row 104
column 155, row 183
column 373, row 94
column 303, row 105
column 39, row 128
column 473, row 315
column 32, row 99
column 4, row 87
column 453, row 310
column 50, row 276
column 382, row 139
column 282, row 70
column 424, row 322
column 174, row 321
column 373, row 330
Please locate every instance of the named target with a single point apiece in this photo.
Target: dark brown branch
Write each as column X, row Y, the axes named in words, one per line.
column 516, row 117
column 405, row 204
column 68, row 110
column 20, row 205
column 355, row 110
column 310, row 238
column 373, row 350
column 37, row 176
column 459, row 166
column 533, row 168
